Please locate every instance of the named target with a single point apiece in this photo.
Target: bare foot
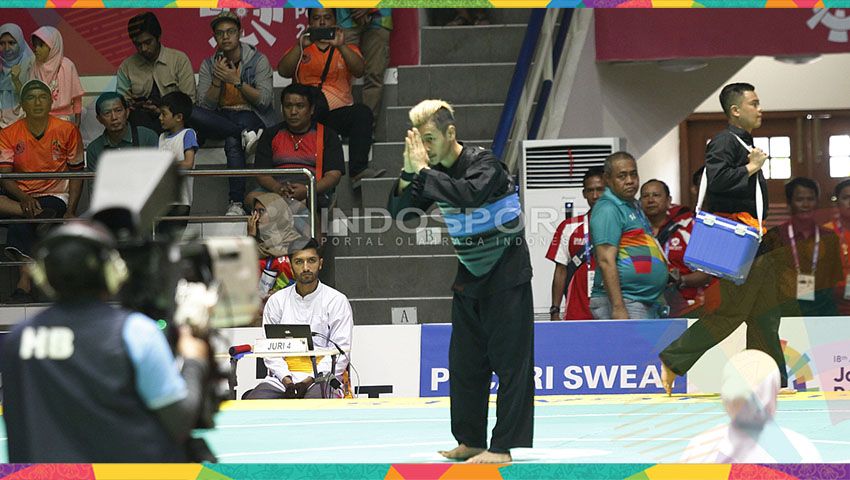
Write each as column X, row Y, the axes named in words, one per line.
column 461, row 452
column 667, row 378
column 491, row 457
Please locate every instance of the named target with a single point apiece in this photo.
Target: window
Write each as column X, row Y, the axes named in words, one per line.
column 778, row 149
column 839, row 156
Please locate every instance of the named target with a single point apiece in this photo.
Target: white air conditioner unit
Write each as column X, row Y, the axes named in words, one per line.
column 551, row 175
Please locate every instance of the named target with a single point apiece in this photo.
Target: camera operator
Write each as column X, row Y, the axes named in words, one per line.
column 89, row 382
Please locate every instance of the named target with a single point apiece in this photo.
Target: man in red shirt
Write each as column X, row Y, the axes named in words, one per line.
column 672, row 226
column 331, row 65
column 299, row 142
column 571, row 257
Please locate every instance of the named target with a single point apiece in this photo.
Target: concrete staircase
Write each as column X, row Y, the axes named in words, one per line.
column 378, row 264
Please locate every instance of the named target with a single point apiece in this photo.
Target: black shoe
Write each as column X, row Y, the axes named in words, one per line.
column 21, row 296
column 16, row 255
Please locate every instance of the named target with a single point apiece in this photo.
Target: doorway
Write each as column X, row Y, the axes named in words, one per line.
column 813, row 144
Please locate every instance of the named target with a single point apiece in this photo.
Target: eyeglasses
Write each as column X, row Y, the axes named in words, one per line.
column 226, row 33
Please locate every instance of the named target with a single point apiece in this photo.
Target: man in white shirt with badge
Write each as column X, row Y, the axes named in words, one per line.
column 327, row 311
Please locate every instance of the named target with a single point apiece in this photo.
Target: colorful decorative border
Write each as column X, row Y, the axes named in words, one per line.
column 430, row 3
column 423, row 471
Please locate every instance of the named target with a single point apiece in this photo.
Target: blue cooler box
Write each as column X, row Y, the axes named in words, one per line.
column 722, row 247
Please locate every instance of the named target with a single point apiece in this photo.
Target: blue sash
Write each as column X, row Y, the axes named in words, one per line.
column 483, row 219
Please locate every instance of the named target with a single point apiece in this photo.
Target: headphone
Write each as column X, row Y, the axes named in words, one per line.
column 112, row 267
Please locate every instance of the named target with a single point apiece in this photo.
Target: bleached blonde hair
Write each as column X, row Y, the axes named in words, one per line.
column 428, row 110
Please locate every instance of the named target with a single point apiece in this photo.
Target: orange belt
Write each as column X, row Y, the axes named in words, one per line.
column 743, row 217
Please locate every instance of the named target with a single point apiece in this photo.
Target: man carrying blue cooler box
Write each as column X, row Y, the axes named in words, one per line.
column 733, row 171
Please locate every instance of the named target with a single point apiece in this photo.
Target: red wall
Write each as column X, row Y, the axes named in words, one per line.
column 96, row 39
column 653, row 34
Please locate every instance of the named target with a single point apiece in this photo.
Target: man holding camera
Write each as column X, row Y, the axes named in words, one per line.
column 234, row 99
column 328, row 313
column 322, row 59
column 87, row 382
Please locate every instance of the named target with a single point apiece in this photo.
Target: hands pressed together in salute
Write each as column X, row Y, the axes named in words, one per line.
column 415, row 157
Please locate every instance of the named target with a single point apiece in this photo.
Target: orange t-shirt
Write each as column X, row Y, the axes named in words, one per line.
column 232, row 97
column 59, row 149
column 337, row 86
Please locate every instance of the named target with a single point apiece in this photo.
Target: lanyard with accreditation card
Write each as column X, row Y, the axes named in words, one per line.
column 591, row 273
column 805, row 283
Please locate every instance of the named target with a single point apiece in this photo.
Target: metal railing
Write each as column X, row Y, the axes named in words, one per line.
column 311, row 192
column 541, row 50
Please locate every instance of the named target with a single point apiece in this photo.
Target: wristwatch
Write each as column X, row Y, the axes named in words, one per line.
column 238, row 85
column 553, row 310
column 407, row 176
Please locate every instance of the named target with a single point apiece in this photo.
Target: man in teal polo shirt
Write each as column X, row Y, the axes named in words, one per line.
column 631, row 271
column 113, row 113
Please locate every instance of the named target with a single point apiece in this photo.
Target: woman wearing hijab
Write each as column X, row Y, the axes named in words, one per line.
column 272, row 225
column 749, row 389
column 58, row 72
column 16, row 60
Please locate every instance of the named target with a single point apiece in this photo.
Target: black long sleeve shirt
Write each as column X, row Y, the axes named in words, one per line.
column 475, row 179
column 730, row 188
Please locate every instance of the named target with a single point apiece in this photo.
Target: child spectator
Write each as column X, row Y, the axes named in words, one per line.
column 174, row 110
column 59, row 73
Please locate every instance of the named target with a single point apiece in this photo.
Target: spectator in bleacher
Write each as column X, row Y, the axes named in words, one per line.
column 631, row 271
column 152, row 72
column 299, row 142
column 272, row 225
column 39, row 142
column 370, row 29
column 672, row 226
column 16, row 59
column 806, row 256
column 571, row 251
column 234, row 99
column 841, row 226
column 113, row 113
column 305, row 64
column 328, row 314
column 174, row 110
column 59, row 73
